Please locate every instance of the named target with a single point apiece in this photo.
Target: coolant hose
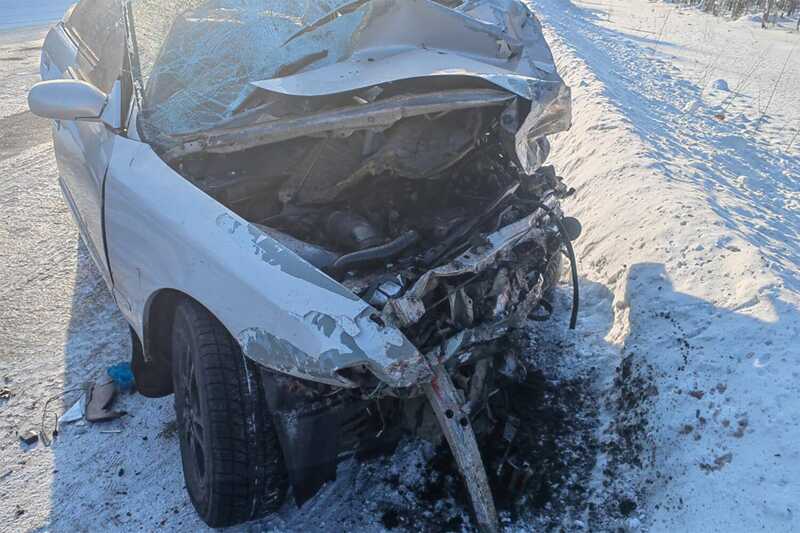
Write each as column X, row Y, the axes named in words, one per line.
column 389, row 250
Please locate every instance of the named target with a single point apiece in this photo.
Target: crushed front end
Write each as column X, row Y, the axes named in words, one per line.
column 484, row 258
column 462, row 316
column 398, row 148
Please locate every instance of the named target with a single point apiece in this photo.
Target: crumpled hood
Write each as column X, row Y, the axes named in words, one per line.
column 499, row 41
column 300, row 49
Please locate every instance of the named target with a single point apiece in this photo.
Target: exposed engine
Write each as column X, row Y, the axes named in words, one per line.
column 430, row 220
column 432, row 193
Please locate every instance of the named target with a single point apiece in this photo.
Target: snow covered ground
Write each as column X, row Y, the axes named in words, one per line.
column 674, row 406
column 690, row 196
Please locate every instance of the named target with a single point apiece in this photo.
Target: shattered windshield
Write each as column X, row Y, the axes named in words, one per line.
column 199, row 60
column 197, row 57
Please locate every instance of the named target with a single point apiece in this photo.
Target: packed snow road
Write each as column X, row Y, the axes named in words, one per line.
column 673, row 407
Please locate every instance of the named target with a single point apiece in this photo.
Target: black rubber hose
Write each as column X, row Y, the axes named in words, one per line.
column 573, row 321
column 389, row 250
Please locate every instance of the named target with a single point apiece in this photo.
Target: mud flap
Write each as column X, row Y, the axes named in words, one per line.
column 153, row 378
column 457, row 429
column 308, row 433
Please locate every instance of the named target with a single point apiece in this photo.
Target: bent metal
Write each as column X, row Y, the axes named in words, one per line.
column 324, row 236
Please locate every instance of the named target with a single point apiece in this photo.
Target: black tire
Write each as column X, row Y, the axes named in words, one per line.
column 232, row 461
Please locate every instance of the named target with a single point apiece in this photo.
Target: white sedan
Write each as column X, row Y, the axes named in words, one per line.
column 324, row 222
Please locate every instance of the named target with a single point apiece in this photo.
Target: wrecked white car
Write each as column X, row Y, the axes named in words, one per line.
column 321, row 219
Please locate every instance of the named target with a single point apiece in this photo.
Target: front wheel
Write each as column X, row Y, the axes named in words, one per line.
column 232, row 460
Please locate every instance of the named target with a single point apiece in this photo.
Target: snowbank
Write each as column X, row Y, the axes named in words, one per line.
column 691, row 221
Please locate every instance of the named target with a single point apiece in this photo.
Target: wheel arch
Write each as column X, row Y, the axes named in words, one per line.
column 152, row 357
column 158, row 314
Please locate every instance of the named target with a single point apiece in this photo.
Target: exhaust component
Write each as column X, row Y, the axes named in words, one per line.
column 457, row 429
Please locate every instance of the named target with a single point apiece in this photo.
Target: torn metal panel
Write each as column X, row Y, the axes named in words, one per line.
column 463, row 344
column 409, row 309
column 378, row 66
column 503, row 44
column 292, row 48
column 499, row 41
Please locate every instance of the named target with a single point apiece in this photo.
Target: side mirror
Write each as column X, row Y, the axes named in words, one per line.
column 67, row 100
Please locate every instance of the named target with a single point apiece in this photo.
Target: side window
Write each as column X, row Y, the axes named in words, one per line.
column 98, row 28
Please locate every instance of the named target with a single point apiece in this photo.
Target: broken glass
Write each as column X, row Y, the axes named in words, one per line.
column 198, row 57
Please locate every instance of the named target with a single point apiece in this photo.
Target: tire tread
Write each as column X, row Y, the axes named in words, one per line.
column 248, row 478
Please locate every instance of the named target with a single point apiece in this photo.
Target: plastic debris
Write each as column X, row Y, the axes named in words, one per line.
column 720, row 85
column 74, row 413
column 101, row 397
column 122, row 375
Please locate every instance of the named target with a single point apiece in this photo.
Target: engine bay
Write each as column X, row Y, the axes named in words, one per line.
column 430, row 221
column 416, row 201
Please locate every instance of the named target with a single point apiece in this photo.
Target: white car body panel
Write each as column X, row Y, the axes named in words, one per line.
column 82, row 151
column 164, row 233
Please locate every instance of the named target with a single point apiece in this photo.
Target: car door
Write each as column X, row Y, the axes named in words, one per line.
column 90, row 46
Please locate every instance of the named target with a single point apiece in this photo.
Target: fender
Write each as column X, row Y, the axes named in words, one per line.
column 165, row 233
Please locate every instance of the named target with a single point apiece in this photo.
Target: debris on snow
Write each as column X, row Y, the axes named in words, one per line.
column 28, row 436
column 74, row 413
column 720, row 85
column 122, row 375
column 101, row 397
